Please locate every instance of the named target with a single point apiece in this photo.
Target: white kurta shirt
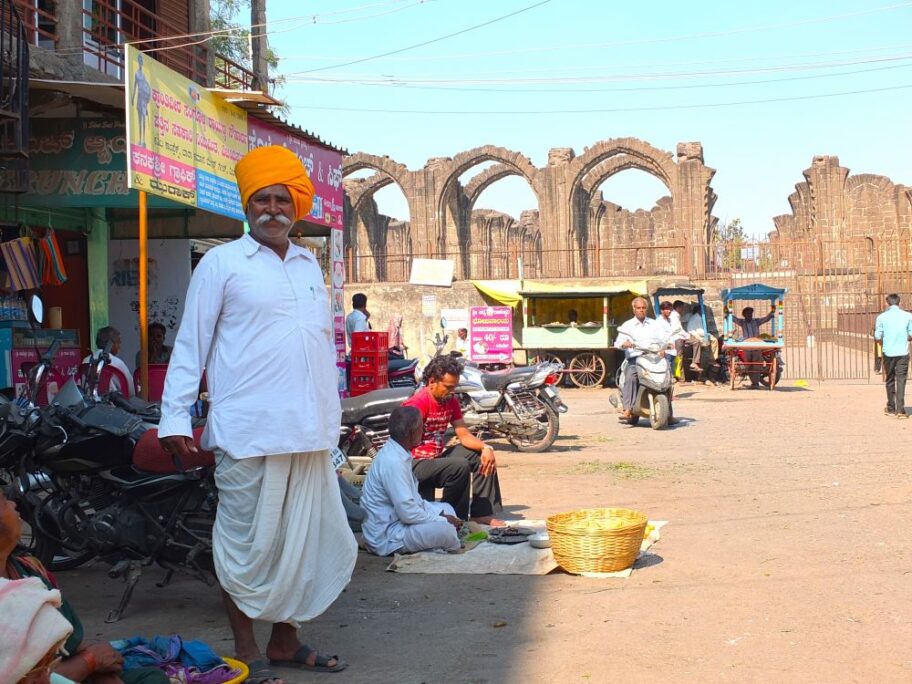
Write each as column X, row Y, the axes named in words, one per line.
column 261, row 328
column 391, row 500
column 642, row 333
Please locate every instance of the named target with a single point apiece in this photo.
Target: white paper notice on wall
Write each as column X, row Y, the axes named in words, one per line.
column 437, row 272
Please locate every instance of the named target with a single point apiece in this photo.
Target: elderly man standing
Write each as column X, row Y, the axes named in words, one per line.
column 257, row 318
column 894, row 329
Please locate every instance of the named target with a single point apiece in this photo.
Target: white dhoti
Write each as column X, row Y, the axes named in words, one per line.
column 439, row 534
column 282, row 547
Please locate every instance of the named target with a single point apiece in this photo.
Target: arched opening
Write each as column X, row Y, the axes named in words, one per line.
column 505, row 223
column 631, row 208
column 482, row 242
column 377, row 227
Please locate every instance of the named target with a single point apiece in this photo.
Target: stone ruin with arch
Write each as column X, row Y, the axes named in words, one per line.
column 574, row 232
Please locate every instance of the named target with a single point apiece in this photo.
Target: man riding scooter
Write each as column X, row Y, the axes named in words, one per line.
column 637, row 333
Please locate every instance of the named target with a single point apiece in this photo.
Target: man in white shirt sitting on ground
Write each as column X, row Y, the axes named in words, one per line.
column 398, row 519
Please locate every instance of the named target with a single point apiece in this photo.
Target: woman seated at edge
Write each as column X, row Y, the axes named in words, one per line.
column 96, row 663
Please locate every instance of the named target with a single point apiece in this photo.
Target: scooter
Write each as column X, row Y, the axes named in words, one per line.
column 655, row 386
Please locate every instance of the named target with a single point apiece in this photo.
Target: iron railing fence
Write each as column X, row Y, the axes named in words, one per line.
column 836, row 286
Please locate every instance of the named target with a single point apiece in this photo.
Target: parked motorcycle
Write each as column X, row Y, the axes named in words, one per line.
column 520, row 404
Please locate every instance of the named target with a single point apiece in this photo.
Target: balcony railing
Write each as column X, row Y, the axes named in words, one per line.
column 231, row 75
column 14, row 56
column 39, row 18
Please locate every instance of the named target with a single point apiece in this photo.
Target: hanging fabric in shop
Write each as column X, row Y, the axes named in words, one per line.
column 53, row 272
column 19, row 255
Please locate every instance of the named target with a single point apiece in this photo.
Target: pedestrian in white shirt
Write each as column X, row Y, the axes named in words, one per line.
column 357, row 320
column 257, row 318
column 122, row 381
column 398, row 519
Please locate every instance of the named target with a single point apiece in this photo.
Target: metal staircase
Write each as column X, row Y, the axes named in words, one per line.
column 14, row 74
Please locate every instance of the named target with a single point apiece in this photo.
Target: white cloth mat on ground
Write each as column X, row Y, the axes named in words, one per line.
column 503, row 559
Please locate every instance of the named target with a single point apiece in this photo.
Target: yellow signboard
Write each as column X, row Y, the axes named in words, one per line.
column 182, row 141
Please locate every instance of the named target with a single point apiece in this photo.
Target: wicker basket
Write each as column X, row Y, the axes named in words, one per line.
column 582, row 541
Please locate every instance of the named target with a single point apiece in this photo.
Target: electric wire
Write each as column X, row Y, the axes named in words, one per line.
column 613, row 110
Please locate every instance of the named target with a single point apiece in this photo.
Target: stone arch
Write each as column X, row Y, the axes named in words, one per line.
column 367, row 230
column 453, row 208
column 614, row 165
column 359, row 189
column 484, row 180
column 652, row 160
column 361, row 160
column 870, row 206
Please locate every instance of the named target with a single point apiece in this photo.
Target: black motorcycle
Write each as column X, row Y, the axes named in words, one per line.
column 94, row 482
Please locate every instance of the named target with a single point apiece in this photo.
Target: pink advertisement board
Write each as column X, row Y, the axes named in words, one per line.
column 491, row 334
column 324, row 167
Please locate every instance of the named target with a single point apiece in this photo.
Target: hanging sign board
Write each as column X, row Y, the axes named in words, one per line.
column 182, row 141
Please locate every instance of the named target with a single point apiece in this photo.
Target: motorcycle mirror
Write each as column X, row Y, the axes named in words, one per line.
column 36, row 310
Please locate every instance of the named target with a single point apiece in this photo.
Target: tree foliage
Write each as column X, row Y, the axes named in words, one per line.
column 729, row 239
column 232, row 38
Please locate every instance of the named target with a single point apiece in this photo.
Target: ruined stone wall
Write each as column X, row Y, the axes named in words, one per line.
column 570, row 239
column 857, row 220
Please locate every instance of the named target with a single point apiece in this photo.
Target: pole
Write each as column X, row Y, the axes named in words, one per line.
column 259, row 47
column 143, row 295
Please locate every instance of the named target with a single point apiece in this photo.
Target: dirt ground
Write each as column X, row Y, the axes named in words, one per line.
column 786, row 559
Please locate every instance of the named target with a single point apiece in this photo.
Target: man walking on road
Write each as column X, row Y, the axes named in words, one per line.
column 257, row 309
column 894, row 329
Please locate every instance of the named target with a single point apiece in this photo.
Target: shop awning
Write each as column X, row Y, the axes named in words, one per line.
column 511, row 292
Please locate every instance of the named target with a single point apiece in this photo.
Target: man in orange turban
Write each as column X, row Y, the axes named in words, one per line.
column 275, row 165
column 281, row 545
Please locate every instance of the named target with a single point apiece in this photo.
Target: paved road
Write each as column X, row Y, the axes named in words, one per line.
column 786, row 559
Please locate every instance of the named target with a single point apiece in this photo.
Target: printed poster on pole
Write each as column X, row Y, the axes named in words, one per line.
column 491, row 334
column 182, row 140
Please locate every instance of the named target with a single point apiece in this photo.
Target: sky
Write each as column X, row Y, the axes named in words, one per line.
column 764, row 86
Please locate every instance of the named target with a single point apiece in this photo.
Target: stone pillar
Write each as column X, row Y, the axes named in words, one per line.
column 692, row 203
column 826, row 179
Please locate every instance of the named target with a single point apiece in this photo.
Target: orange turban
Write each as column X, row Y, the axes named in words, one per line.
column 275, row 165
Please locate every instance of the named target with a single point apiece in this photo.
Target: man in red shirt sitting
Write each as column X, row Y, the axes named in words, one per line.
column 450, row 469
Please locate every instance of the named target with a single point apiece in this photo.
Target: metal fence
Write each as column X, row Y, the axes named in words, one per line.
column 836, row 286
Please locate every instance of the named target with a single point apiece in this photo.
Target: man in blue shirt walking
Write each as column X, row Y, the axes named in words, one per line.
column 894, row 329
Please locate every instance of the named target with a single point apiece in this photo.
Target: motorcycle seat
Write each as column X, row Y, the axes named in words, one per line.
column 394, row 365
column 356, row 409
column 151, row 458
column 494, row 382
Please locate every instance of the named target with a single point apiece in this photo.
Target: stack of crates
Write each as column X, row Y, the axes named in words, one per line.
column 369, row 362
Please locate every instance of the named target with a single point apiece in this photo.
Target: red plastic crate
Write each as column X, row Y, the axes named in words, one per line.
column 369, row 381
column 370, row 342
column 369, row 362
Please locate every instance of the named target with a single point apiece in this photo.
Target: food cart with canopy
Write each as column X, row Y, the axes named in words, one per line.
column 584, row 344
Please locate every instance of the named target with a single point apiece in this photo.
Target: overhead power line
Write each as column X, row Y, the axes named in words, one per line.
column 689, row 86
column 613, row 110
column 427, row 42
column 615, row 78
column 628, row 42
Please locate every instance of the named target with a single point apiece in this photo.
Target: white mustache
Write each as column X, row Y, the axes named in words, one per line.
column 263, row 219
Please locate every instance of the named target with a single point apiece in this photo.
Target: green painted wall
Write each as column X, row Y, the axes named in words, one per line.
column 97, row 245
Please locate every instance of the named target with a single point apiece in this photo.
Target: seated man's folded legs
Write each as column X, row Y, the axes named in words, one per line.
column 631, row 385
column 432, row 535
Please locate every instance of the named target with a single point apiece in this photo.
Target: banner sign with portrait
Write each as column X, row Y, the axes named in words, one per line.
column 182, row 140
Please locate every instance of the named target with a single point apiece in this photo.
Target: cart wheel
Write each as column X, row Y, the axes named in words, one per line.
column 733, row 370
column 545, row 357
column 587, row 369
